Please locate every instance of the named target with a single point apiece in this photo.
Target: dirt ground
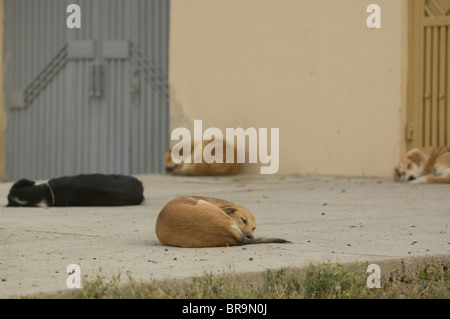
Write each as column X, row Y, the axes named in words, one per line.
column 327, row 218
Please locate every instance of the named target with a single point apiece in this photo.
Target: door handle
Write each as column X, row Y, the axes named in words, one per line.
column 135, row 87
column 96, row 80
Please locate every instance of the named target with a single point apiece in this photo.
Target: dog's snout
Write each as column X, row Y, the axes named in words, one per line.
column 411, row 178
column 249, row 236
column 170, row 168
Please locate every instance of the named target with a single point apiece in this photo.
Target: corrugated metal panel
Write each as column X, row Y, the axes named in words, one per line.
column 30, row 139
column 98, row 100
column 149, row 47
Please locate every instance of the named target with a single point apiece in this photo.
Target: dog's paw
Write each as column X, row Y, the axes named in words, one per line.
column 420, row 180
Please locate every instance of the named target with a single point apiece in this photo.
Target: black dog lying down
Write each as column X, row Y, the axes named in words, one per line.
column 80, row 190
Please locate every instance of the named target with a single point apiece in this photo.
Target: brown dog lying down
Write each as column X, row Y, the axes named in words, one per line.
column 196, row 221
column 424, row 165
column 203, row 168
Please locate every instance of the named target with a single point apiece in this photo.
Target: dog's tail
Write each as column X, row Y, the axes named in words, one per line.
column 263, row 240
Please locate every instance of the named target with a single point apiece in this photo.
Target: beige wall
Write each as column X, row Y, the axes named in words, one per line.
column 312, row 68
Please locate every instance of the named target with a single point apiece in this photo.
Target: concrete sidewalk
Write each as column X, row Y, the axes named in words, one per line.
column 326, row 218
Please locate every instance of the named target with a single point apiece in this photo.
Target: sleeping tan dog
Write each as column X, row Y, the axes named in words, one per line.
column 203, row 168
column 196, row 221
column 424, row 165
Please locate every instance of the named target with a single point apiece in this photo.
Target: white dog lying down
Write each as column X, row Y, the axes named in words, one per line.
column 424, row 165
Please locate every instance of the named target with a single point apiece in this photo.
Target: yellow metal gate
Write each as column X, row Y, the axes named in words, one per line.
column 429, row 73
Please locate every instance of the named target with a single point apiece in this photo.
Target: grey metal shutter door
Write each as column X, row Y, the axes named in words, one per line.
column 86, row 100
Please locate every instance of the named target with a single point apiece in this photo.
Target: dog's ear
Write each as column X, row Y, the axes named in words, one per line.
column 415, row 157
column 23, row 183
column 228, row 210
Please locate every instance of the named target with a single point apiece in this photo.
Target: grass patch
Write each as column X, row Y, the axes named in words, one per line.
column 317, row 281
